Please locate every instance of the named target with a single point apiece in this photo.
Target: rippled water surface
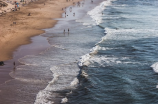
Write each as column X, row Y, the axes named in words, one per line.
column 118, row 69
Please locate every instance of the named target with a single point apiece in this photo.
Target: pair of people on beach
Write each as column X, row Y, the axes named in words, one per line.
column 67, row 15
column 67, row 30
column 2, row 63
column 68, row 0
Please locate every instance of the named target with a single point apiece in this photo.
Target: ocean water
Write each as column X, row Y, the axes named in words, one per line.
column 109, row 56
column 122, row 67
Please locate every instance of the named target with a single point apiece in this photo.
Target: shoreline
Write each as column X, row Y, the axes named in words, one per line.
column 16, row 38
column 21, row 51
column 29, row 87
column 14, row 35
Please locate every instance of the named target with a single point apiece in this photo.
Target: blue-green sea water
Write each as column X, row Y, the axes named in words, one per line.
column 118, row 70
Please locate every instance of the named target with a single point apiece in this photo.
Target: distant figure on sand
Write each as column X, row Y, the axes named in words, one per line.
column 73, row 3
column 68, row 30
column 91, row 1
column 73, row 14
column 14, row 23
column 78, row 4
column 14, row 63
column 29, row 14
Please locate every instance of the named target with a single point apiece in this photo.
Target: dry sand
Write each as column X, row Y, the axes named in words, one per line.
column 14, row 35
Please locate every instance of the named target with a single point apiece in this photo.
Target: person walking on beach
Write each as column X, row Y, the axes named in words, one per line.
column 68, row 30
column 14, row 63
column 82, row 4
column 70, row 9
column 73, row 3
column 64, row 32
column 78, row 4
column 15, row 6
column 29, row 14
column 65, row 14
column 73, row 14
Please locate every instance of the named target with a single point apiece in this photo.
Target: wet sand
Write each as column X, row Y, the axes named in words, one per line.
column 14, row 35
column 21, row 51
column 41, row 14
column 22, row 90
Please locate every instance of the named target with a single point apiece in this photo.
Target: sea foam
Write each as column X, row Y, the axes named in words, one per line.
column 155, row 67
column 61, row 74
column 96, row 13
column 64, row 100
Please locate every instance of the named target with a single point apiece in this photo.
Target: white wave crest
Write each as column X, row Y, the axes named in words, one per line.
column 43, row 96
column 74, row 82
column 64, row 100
column 96, row 13
column 84, row 60
column 155, row 67
column 84, row 74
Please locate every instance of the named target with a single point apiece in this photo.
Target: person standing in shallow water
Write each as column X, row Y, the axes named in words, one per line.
column 14, row 63
column 64, row 31
column 68, row 31
column 70, row 9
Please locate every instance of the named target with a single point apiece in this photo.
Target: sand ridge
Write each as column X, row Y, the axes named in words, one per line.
column 17, row 27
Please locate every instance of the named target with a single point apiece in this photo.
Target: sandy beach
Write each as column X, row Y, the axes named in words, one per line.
column 41, row 16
